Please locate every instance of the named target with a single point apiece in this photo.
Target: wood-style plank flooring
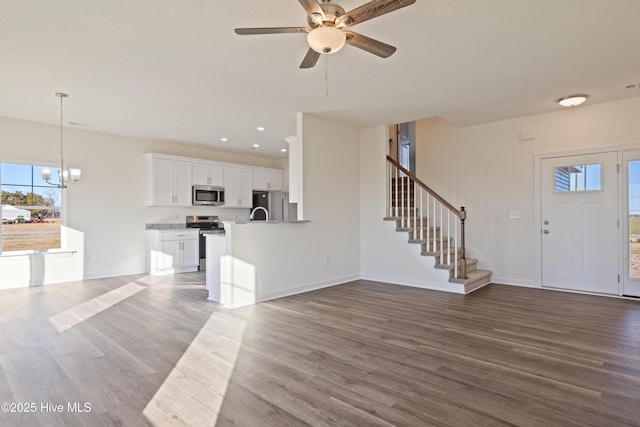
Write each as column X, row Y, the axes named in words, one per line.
column 142, row 350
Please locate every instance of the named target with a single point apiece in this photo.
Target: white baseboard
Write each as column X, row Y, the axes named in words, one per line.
column 434, row 286
column 114, row 273
column 514, row 282
column 308, row 287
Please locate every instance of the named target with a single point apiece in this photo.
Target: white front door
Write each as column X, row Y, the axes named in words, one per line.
column 580, row 222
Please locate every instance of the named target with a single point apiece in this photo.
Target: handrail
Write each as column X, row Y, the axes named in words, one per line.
column 426, row 187
column 434, row 236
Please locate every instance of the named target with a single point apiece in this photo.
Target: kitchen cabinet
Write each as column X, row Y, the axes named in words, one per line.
column 267, row 180
column 172, row 251
column 170, row 182
column 208, row 174
column 238, row 192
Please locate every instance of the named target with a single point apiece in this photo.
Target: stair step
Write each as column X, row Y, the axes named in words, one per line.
column 437, row 239
column 475, row 279
column 445, row 251
column 408, row 220
column 411, row 220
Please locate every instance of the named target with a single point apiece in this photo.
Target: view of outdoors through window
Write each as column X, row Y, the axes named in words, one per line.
column 578, row 178
column 30, row 209
column 634, row 219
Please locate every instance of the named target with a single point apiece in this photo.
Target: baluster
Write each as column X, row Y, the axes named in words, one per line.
column 435, row 225
column 448, row 237
column 404, row 210
column 397, row 194
column 455, row 249
column 390, row 189
column 463, row 256
column 421, row 217
column 440, row 239
column 415, row 212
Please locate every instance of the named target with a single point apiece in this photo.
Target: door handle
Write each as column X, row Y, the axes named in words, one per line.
column 545, row 231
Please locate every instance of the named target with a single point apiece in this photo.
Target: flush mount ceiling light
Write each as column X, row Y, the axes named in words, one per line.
column 261, row 128
column 572, row 100
column 223, row 139
column 63, row 174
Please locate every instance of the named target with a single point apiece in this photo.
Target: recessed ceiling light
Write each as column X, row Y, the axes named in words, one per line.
column 224, row 139
column 572, row 100
column 261, row 128
column 284, row 150
column 255, row 146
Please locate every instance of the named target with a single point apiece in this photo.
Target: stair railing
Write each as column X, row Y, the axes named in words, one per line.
column 428, row 215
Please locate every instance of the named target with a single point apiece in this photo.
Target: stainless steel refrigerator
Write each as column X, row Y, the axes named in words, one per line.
column 276, row 203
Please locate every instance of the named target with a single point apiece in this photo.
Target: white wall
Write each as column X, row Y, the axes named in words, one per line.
column 106, row 211
column 490, row 171
column 290, row 258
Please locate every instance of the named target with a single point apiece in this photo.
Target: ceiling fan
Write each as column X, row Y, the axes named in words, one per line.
column 326, row 31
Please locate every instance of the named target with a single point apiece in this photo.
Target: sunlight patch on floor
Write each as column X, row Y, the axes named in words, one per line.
column 193, row 392
column 70, row 318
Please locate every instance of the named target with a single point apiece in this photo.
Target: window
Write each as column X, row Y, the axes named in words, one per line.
column 31, row 209
column 579, row 178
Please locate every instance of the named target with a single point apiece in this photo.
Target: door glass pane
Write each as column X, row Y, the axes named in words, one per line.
column 634, row 219
column 579, row 178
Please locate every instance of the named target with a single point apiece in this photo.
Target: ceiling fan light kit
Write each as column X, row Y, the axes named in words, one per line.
column 326, row 39
column 327, row 21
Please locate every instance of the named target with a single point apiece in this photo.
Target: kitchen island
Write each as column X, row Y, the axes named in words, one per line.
column 260, row 260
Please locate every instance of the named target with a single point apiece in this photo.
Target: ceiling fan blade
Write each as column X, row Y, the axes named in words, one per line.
column 272, row 30
column 313, row 8
column 310, row 59
column 370, row 45
column 371, row 10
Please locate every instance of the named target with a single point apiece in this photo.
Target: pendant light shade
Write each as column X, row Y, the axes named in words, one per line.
column 64, row 175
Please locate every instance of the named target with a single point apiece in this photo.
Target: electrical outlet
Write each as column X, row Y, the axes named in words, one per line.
column 325, row 261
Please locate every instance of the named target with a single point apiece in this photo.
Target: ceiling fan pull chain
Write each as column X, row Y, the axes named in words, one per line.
column 326, row 75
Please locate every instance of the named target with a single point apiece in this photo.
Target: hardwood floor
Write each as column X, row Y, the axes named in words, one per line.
column 141, row 350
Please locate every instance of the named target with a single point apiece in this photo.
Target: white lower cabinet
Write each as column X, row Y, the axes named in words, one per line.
column 172, row 251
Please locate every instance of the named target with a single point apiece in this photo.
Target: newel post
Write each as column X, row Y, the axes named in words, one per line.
column 463, row 258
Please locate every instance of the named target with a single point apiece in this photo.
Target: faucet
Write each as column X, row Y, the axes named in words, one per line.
column 266, row 213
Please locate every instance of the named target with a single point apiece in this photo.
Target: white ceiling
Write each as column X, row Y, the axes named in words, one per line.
column 175, row 70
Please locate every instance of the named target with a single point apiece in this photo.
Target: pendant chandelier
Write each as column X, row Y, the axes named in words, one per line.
column 64, row 175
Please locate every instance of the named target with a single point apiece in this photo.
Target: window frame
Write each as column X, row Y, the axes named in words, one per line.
column 59, row 207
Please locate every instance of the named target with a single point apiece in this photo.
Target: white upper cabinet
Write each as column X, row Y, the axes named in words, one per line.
column 238, row 192
column 208, row 174
column 171, row 179
column 267, row 180
column 170, row 182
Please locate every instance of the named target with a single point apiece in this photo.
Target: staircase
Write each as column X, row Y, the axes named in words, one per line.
column 435, row 225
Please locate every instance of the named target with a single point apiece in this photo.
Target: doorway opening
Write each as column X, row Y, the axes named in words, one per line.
column 402, row 145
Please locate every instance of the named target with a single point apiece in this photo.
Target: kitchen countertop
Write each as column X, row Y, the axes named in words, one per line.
column 167, row 226
column 271, row 221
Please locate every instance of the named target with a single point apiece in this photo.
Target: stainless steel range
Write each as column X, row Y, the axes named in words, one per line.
column 206, row 224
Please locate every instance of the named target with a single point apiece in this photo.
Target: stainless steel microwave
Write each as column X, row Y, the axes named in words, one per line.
column 206, row 195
